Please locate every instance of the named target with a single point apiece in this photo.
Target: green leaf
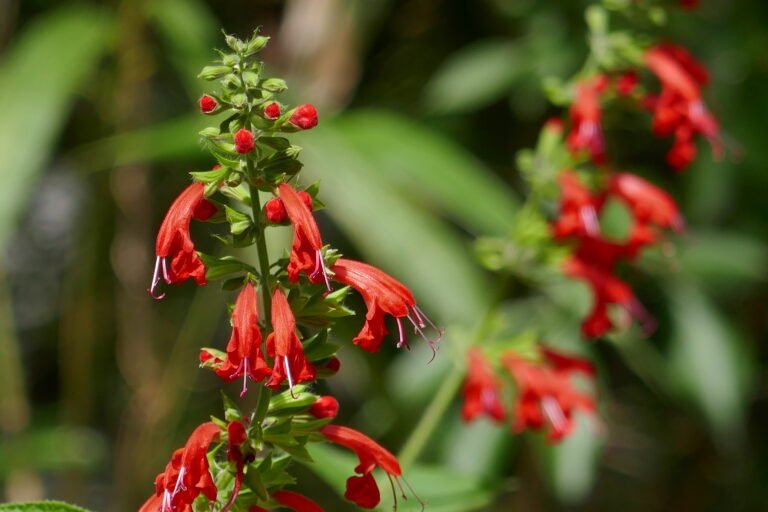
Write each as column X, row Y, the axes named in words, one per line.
column 570, row 466
column 40, row 506
column 239, row 222
column 708, row 363
column 430, row 169
column 37, row 91
column 52, row 449
column 475, row 76
column 724, row 259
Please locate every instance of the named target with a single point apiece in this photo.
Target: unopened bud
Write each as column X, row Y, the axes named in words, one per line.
column 272, row 111
column 274, row 211
column 256, row 44
column 244, row 141
column 304, row 116
column 325, row 407
column 208, row 104
column 306, row 199
column 275, row 85
column 214, row 72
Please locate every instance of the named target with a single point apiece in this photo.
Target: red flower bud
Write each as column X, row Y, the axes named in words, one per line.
column 243, row 141
column 274, row 211
column 325, row 407
column 305, row 116
column 333, row 365
column 306, row 199
column 236, row 433
column 207, row 104
column 272, row 111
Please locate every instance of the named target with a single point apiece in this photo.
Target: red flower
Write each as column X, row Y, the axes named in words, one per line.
column 306, row 251
column 679, row 109
column 363, row 489
column 236, row 437
column 285, row 347
column 305, row 116
column 649, row 203
column 243, row 141
column 174, row 242
column 272, row 110
column 481, row 389
column 547, row 396
column 208, row 104
column 292, row 500
column 626, row 82
column 244, row 356
column 578, row 208
column 325, row 407
column 383, row 295
column 606, row 289
column 586, row 133
column 186, row 476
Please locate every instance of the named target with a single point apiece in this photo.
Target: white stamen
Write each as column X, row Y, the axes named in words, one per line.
column 288, row 374
column 589, row 218
column 554, row 413
column 156, row 279
column 245, row 378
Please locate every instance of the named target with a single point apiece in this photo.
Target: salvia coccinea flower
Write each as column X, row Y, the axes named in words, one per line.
column 307, row 247
column 383, row 295
column 236, row 438
column 578, row 215
column 325, row 407
column 291, row 500
column 481, row 389
column 679, row 110
column 176, row 258
column 547, row 396
column 586, row 132
column 284, row 346
column 244, row 358
column 187, row 475
column 304, row 116
column 362, row 488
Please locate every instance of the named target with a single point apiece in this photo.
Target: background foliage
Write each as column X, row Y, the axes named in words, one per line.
column 423, row 105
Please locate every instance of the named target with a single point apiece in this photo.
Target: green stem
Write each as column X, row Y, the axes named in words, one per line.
column 440, row 404
column 261, row 249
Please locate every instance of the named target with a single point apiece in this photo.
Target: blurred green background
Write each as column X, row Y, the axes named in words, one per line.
column 423, row 105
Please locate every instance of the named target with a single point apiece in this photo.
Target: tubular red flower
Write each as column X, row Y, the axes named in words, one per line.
column 174, row 241
column 481, row 389
column 272, row 111
column 305, row 116
column 363, row 489
column 649, row 203
column 187, row 475
column 586, row 133
column 679, row 109
column 383, row 295
column 306, row 251
column 547, row 396
column 244, row 142
column 244, row 356
column 236, row 437
column 296, row 501
column 626, row 82
column 285, row 347
column 207, row 104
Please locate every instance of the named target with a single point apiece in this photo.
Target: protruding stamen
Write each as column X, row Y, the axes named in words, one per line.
column 245, row 378
column 289, row 375
column 179, row 483
column 554, row 413
column 408, row 485
column 320, row 267
column 589, row 219
column 156, row 279
column 401, row 335
column 417, row 318
column 646, row 321
column 165, row 271
column 167, row 505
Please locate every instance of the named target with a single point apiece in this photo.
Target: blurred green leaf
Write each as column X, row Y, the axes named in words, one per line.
column 39, row 75
column 166, row 141
column 570, row 466
column 442, row 490
column 707, row 363
column 52, row 449
column 190, row 31
column 475, row 76
column 427, row 167
column 40, row 506
column 724, row 258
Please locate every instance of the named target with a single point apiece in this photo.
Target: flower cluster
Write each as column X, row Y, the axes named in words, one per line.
column 283, row 312
column 574, row 186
